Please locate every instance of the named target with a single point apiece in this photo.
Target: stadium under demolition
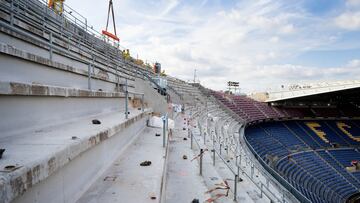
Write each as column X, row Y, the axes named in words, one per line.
column 83, row 121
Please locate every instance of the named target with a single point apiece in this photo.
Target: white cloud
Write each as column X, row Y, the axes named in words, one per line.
column 249, row 42
column 353, row 3
column 355, row 63
column 349, row 20
column 274, row 39
column 287, row 29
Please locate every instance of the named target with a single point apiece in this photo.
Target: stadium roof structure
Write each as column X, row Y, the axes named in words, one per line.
column 328, row 93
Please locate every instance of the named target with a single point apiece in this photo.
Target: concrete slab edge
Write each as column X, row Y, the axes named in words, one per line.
column 16, row 183
column 25, row 89
column 15, row 52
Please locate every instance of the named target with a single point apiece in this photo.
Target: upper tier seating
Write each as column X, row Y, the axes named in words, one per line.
column 250, row 110
column 311, row 155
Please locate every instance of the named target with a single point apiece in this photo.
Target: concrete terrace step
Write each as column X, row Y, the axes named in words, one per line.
column 53, row 72
column 27, row 107
column 183, row 182
column 39, row 155
column 126, row 180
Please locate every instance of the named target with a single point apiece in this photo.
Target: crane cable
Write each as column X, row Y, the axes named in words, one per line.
column 105, row 32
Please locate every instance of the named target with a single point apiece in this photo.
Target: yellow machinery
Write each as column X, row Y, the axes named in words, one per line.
column 57, row 6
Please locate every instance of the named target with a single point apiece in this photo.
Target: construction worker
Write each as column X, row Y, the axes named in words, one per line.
column 126, row 54
column 57, row 6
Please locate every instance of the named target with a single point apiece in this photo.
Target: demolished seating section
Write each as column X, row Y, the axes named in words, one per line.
column 316, row 168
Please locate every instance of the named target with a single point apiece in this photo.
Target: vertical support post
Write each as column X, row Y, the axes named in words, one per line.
column 89, row 76
column 142, row 103
column 213, row 151
column 167, row 123
column 117, row 78
column 86, row 25
column 201, row 160
column 50, row 49
column 191, row 140
column 252, row 170
column 164, row 126
column 204, row 138
column 240, row 159
column 235, row 186
column 12, row 14
column 68, row 48
column 126, row 99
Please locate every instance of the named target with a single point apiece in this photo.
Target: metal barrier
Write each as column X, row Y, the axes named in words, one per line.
column 235, row 169
column 73, row 30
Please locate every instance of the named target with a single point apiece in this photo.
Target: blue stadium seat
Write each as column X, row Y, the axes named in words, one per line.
column 315, row 168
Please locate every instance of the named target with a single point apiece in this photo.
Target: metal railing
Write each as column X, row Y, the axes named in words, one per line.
column 219, row 146
column 71, row 28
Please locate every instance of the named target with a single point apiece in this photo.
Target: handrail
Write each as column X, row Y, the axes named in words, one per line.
column 53, row 46
column 66, row 52
column 258, row 169
column 242, row 171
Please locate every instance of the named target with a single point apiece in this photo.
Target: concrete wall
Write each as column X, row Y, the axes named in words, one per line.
column 22, row 113
column 174, row 97
column 152, row 97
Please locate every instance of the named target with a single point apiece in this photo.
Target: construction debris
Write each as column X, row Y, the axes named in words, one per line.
column 1, row 152
column 222, row 186
column 10, row 168
column 184, row 138
column 110, row 178
column 195, row 201
column 157, row 134
column 145, row 163
column 96, row 122
column 185, row 157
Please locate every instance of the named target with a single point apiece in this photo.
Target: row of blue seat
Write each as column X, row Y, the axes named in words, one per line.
column 329, row 157
column 314, row 176
column 306, row 161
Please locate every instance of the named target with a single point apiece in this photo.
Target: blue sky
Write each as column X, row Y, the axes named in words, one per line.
column 260, row 43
